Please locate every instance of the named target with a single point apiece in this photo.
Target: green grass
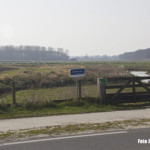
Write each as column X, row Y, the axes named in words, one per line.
column 40, row 102
column 40, row 95
column 67, row 107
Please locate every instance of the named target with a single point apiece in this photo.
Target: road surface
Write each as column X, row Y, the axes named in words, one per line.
column 117, row 140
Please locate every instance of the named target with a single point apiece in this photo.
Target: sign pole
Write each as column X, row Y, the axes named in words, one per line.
column 76, row 73
column 77, row 87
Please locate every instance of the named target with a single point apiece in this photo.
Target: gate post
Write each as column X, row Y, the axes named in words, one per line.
column 13, row 93
column 101, row 83
column 79, row 89
column 133, row 88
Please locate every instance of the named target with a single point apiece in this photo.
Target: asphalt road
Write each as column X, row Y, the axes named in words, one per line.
column 116, row 140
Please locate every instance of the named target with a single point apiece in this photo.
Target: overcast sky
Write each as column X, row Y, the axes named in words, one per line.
column 84, row 27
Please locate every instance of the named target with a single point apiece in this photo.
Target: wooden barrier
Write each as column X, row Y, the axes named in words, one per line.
column 13, row 93
column 11, row 90
column 129, row 82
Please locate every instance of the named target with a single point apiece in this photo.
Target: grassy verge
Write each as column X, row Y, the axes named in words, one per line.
column 67, row 107
column 75, row 129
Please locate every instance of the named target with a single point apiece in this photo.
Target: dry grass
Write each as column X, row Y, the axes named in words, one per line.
column 75, row 129
column 49, row 74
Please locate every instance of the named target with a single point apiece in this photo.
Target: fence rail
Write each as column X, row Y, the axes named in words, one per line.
column 129, row 82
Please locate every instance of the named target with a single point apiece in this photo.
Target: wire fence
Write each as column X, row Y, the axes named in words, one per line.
column 12, row 93
column 35, row 95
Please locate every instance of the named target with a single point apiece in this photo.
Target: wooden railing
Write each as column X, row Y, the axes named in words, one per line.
column 127, row 82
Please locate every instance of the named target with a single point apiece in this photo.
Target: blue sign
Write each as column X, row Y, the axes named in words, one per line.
column 77, row 72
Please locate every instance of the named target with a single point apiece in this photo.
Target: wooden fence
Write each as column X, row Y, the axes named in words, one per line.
column 132, row 83
column 8, row 90
column 136, row 90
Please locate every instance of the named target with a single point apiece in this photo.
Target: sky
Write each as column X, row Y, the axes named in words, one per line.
column 84, row 27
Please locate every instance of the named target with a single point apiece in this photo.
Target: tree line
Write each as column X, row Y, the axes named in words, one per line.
column 32, row 53
column 141, row 54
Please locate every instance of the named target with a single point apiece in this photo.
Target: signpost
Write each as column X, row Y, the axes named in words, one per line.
column 76, row 73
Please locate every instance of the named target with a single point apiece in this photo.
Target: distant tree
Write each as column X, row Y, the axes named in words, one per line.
column 141, row 54
column 32, row 53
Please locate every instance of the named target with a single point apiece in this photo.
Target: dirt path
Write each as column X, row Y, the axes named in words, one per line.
column 26, row 123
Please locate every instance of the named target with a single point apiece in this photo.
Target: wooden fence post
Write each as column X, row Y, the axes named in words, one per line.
column 13, row 93
column 79, row 88
column 101, row 90
column 133, row 88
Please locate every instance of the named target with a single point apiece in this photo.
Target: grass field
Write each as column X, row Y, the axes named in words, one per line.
column 39, row 84
column 52, row 74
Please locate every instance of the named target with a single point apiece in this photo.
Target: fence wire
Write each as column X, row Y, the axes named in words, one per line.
column 35, row 95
